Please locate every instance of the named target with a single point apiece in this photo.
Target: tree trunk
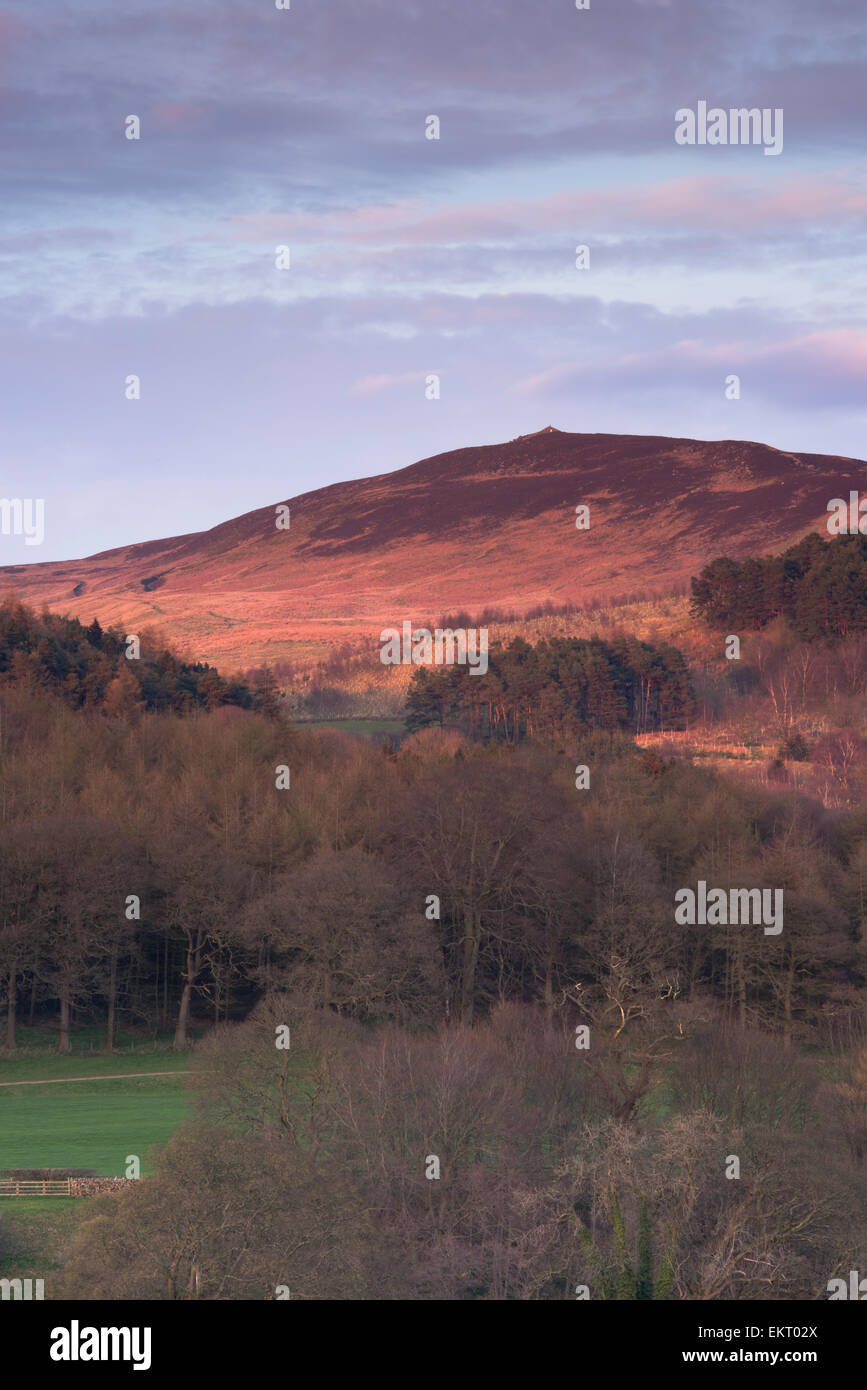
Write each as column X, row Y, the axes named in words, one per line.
column 63, row 1044
column 787, row 1002
column 183, row 1015
column 194, row 965
column 549, row 989
column 10, row 1011
column 112, row 996
column 742, row 988
column 471, row 956
column 164, row 1017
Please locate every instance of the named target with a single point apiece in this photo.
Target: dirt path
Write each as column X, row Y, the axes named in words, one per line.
column 110, row 1076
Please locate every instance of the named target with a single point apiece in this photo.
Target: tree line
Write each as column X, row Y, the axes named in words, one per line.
column 409, row 886
column 819, row 585
column 88, row 667
column 559, row 687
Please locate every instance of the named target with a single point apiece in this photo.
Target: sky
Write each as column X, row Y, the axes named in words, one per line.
column 410, row 257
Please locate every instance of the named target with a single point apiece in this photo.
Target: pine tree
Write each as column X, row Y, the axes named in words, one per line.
column 267, row 698
column 425, row 701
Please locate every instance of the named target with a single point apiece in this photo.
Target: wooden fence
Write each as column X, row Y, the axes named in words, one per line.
column 34, row 1187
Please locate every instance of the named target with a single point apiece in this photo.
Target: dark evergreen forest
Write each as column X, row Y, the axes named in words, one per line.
column 560, row 686
column 818, row 585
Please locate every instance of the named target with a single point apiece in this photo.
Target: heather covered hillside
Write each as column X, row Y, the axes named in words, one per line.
column 486, row 526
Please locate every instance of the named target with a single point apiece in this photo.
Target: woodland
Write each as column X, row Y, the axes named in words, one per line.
column 476, row 959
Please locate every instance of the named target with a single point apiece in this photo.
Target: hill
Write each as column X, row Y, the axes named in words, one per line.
column 493, row 524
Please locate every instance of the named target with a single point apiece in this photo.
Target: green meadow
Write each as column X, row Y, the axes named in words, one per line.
column 63, row 1122
column 92, row 1124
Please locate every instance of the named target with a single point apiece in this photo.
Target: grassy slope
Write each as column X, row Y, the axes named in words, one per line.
column 52, row 1066
column 88, row 1124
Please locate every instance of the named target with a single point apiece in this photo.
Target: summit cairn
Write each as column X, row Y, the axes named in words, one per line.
column 549, row 429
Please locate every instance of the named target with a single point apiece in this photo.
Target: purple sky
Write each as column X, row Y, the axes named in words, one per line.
column 262, row 127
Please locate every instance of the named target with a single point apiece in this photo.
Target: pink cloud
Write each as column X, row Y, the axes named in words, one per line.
column 724, row 202
column 838, row 355
column 372, row 385
column 174, row 114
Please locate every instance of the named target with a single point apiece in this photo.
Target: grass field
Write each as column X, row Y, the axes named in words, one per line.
column 90, row 1124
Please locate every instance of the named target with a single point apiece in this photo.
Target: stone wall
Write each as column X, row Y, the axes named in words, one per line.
column 92, row 1187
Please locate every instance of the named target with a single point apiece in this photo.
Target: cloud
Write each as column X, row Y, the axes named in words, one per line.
column 820, row 369
column 261, row 127
column 371, row 385
column 723, row 202
column 177, row 115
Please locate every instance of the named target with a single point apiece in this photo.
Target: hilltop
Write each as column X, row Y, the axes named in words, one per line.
column 482, row 525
